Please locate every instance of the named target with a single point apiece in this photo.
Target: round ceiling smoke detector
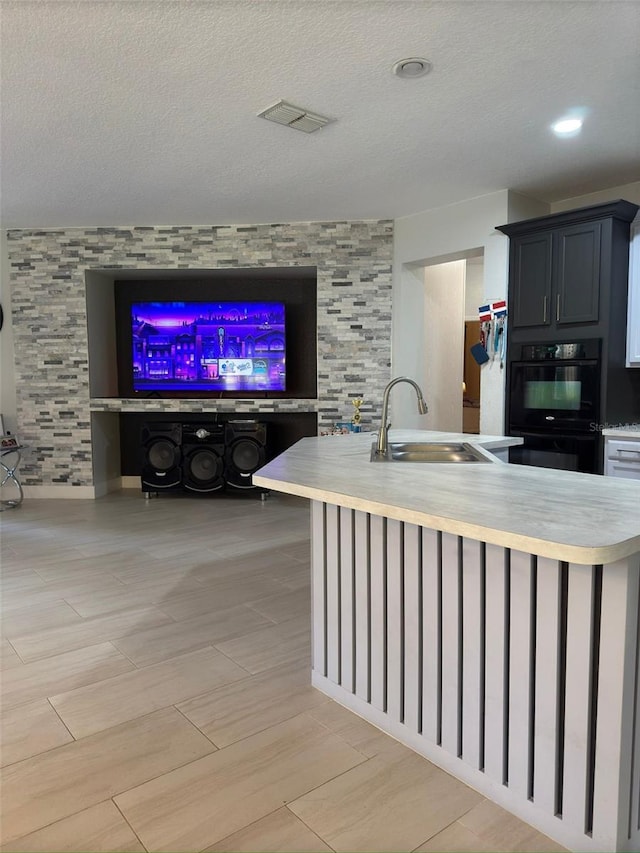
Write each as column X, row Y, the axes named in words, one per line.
column 413, row 67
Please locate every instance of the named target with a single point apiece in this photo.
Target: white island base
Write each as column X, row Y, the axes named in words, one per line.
column 515, row 672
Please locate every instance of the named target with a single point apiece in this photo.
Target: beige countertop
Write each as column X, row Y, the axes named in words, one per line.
column 626, row 431
column 565, row 515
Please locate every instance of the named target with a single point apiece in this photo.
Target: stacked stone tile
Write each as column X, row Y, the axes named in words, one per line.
column 49, row 315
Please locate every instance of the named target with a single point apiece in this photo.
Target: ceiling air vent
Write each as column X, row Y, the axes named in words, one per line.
column 283, row 113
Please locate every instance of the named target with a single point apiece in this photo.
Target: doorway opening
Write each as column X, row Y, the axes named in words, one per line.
column 453, row 291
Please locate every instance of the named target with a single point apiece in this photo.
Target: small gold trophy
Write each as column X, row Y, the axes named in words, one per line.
column 357, row 417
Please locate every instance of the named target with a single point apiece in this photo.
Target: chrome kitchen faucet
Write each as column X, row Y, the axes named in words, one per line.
column 381, row 445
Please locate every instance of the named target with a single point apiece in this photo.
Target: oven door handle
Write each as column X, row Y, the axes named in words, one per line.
column 528, row 432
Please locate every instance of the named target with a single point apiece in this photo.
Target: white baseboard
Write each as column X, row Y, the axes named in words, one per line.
column 64, row 492
column 81, row 492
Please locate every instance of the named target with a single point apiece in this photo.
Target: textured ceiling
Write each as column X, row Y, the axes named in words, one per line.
column 144, row 111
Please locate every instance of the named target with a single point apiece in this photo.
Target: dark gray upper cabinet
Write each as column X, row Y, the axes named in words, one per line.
column 576, row 276
column 530, row 280
column 563, row 268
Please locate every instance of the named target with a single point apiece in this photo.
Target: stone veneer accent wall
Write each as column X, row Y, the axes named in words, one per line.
column 49, row 315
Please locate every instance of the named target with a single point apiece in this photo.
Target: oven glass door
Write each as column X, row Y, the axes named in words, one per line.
column 559, row 396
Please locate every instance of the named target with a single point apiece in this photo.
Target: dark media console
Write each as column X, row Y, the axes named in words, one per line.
column 204, row 458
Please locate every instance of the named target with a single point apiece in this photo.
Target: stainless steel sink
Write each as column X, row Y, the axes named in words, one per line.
column 406, row 451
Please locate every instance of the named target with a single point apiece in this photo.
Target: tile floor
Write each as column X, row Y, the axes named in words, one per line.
column 155, row 694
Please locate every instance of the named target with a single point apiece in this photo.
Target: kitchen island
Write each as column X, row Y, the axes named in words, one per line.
column 486, row 615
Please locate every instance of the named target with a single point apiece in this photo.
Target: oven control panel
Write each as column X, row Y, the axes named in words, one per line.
column 575, row 351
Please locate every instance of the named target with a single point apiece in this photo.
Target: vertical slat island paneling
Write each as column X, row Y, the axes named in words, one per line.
column 509, row 654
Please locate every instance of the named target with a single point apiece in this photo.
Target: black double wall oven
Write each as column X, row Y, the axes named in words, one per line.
column 553, row 404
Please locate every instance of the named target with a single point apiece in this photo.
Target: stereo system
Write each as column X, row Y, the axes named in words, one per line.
column 201, row 457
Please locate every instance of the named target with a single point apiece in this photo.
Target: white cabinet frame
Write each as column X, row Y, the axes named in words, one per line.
column 633, row 314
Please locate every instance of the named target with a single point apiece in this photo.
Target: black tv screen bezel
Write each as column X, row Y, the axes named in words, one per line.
column 295, row 287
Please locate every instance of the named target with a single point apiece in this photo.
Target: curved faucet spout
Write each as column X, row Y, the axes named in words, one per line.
column 381, row 444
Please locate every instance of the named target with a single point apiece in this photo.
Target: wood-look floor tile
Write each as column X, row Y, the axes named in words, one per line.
column 78, row 567
column 265, row 562
column 21, row 582
column 88, row 632
column 243, row 708
column 225, row 593
column 85, row 584
column 502, row 831
column 127, row 596
column 357, row 732
column 9, row 560
column 456, row 838
column 300, row 551
column 34, row 617
column 294, row 576
column 55, row 554
column 8, row 656
column 29, row 730
column 59, row 783
column 141, row 691
column 393, row 802
column 100, row 829
column 176, row 638
column 279, row 832
column 276, row 535
column 23, row 599
column 60, row 673
column 286, row 643
column 199, row 804
column 61, row 589
column 285, row 605
column 38, row 545
column 185, row 549
column 145, row 569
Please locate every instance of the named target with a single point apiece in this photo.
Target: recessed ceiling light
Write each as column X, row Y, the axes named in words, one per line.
column 567, row 126
column 413, row 67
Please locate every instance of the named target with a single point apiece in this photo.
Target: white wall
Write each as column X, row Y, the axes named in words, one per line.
column 444, row 234
column 444, row 288
column 628, row 192
column 473, row 287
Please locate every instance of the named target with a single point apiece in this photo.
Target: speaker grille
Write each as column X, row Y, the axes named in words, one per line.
column 245, row 455
column 205, row 466
column 161, row 454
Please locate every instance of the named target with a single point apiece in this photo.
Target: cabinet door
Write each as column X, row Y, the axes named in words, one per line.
column 530, row 298
column 627, row 470
column 577, row 273
column 622, row 458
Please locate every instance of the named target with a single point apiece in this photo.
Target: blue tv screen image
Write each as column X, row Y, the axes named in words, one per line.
column 208, row 346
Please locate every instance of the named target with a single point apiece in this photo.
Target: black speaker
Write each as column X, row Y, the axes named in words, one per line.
column 161, row 455
column 245, row 452
column 203, row 457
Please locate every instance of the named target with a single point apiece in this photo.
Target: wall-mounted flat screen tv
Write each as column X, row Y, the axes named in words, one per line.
column 208, row 346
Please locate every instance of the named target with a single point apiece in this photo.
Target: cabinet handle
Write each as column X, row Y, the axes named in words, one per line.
column 558, row 308
column 544, row 309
